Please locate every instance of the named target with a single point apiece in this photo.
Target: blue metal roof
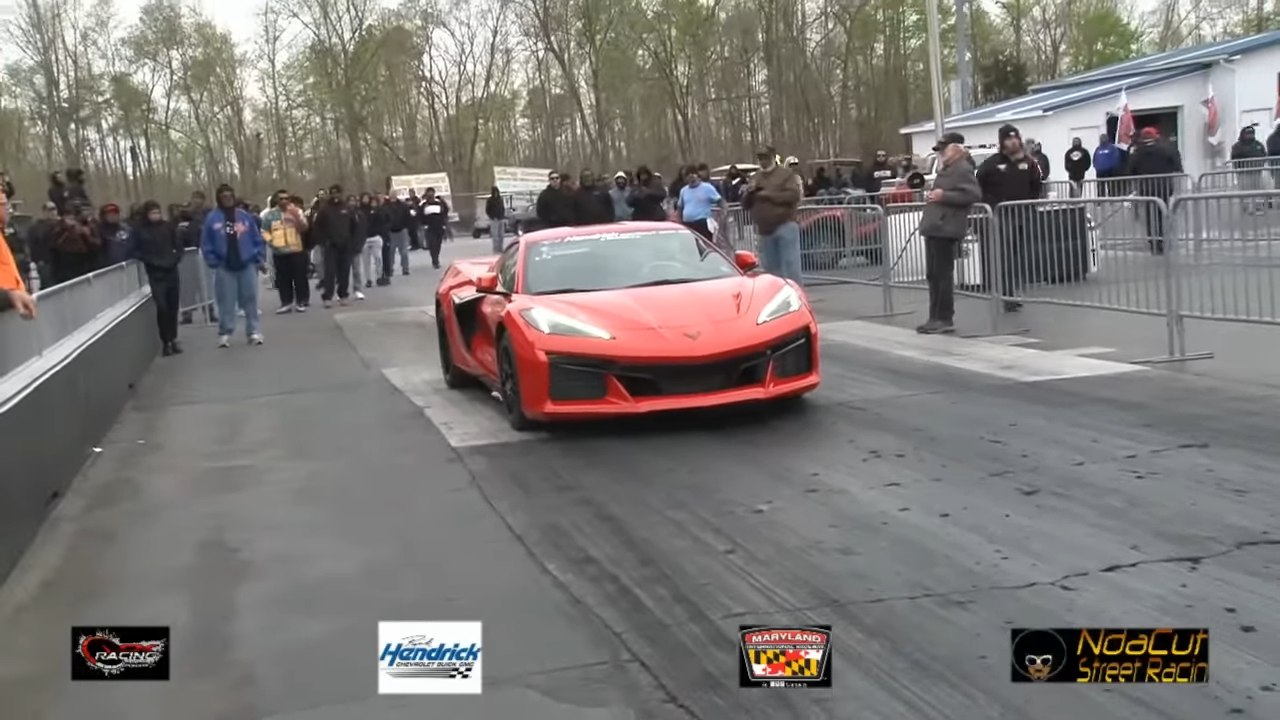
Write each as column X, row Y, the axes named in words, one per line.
column 1055, row 95
column 1198, row 55
column 1050, row 101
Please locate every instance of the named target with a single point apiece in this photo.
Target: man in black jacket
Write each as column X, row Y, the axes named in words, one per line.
column 414, row 203
column 878, row 172
column 1273, row 155
column 1248, row 156
column 398, row 221
column 157, row 246
column 1008, row 176
column 648, row 194
column 1153, row 163
column 336, row 228
column 591, row 203
column 1077, row 161
column 435, row 223
column 554, row 207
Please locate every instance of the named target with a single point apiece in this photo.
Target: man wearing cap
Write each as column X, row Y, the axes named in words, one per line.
column 1007, row 176
column 1153, row 163
column 772, row 197
column 619, row 194
column 337, row 229
column 944, row 222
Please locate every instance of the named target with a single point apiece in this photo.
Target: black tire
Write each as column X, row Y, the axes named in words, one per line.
column 454, row 378
column 509, row 388
column 475, row 233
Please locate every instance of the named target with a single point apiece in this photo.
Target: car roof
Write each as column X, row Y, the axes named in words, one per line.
column 587, row 230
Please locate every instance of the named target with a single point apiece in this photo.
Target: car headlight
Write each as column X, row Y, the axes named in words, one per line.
column 784, row 303
column 553, row 323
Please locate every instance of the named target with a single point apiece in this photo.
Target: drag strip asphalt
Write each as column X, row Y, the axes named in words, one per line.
column 921, row 508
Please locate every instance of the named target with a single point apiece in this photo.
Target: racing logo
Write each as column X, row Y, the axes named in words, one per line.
column 429, row 658
column 785, row 656
column 126, row 653
column 1038, row 655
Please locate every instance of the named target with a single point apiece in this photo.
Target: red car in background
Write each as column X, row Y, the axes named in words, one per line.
column 622, row 319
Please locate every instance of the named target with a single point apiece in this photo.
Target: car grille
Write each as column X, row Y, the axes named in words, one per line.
column 579, row 378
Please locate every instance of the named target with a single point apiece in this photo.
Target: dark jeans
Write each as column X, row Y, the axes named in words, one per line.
column 388, row 257
column 165, row 293
column 291, row 279
column 435, row 238
column 337, row 271
column 415, row 237
column 940, row 271
column 700, row 227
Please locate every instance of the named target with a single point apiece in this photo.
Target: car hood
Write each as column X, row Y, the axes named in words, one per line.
column 698, row 304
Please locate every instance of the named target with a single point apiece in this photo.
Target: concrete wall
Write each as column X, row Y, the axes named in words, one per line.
column 46, row 436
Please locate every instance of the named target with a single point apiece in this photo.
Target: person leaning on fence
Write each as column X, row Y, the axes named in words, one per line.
column 155, row 244
column 944, row 222
column 772, row 198
column 1007, row 176
column 231, row 243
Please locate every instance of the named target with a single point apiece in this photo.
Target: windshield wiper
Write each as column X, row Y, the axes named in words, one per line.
column 565, row 291
column 668, row 281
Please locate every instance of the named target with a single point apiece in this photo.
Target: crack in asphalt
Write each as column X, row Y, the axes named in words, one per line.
column 1056, row 582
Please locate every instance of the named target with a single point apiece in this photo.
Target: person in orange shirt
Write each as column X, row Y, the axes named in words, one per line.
column 13, row 291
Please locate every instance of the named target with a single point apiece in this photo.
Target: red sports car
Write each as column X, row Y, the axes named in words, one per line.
column 604, row 320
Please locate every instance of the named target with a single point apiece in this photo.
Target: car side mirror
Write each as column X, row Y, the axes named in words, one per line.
column 746, row 261
column 487, row 283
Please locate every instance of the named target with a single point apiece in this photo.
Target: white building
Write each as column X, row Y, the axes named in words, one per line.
column 1167, row 90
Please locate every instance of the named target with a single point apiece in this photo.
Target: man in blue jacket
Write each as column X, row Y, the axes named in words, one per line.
column 1108, row 163
column 232, row 245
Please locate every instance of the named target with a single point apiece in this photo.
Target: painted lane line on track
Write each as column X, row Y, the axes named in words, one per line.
column 1083, row 351
column 1008, row 362
column 1008, row 340
column 466, row 418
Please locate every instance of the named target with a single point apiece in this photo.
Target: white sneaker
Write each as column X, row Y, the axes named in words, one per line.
column 256, row 339
column 224, row 341
column 301, row 308
column 359, row 295
column 286, row 310
column 240, row 312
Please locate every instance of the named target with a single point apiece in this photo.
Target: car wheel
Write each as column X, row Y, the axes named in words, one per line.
column 509, row 387
column 475, row 233
column 453, row 376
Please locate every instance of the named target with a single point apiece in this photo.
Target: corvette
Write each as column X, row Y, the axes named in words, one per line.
column 609, row 320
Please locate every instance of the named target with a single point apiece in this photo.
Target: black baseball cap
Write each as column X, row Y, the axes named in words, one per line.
column 949, row 138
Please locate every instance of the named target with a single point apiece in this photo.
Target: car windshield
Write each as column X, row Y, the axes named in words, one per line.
column 611, row 261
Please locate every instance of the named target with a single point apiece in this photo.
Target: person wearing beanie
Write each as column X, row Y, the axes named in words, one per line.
column 1006, row 176
column 158, row 247
column 1153, row 164
column 336, row 228
column 232, row 245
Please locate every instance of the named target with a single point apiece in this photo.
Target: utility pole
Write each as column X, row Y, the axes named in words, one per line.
column 962, row 54
column 935, row 66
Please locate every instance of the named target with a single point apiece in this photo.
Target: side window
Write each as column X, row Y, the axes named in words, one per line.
column 507, row 267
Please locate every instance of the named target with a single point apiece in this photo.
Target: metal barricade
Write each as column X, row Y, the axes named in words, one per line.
column 64, row 309
column 1227, row 264
column 195, row 285
column 842, row 243
column 1246, row 177
column 1125, row 186
column 906, row 263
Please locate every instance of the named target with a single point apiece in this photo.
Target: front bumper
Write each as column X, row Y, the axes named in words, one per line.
column 571, row 386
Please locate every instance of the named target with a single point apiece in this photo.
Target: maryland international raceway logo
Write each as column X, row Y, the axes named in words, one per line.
column 430, row 658
column 785, row 657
